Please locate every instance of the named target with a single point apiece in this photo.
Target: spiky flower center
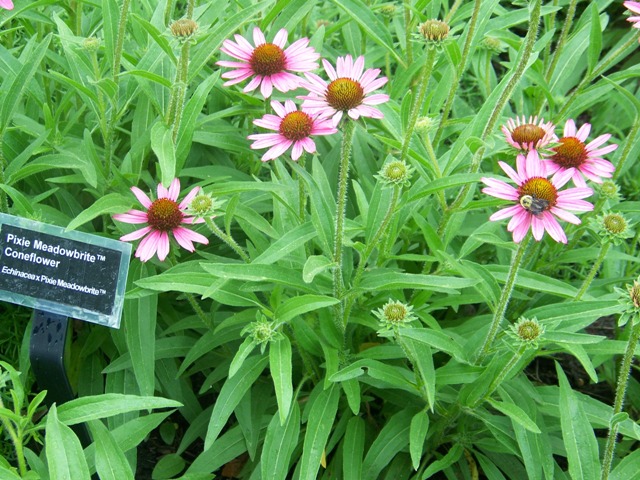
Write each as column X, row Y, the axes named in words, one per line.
column 614, row 223
column 201, row 204
column 185, row 27
column 634, row 294
column 344, row 94
column 571, row 152
column 263, row 331
column 396, row 171
column 296, row 126
column 528, row 134
column 267, row 59
column 609, row 189
column 164, row 215
column 528, row 330
column 395, row 312
column 541, row 192
column 434, row 30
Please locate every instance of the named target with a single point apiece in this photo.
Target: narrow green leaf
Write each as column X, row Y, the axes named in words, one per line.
column 577, row 434
column 296, row 306
column 110, row 203
column 384, row 279
column 417, row 436
column 423, row 357
column 452, row 456
column 163, row 147
column 353, row 449
column 13, row 96
column 244, row 350
column 628, row 467
column 449, row 181
column 19, row 200
column 232, row 392
column 280, row 367
column 515, row 413
column 287, row 243
column 595, row 38
column 393, row 438
column 438, row 340
column 315, row 265
column 396, row 377
column 111, row 463
column 352, row 391
column 279, row 444
column 65, row 458
column 371, row 24
column 321, row 417
column 84, row 409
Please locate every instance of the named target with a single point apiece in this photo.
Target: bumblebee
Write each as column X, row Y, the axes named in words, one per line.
column 533, row 204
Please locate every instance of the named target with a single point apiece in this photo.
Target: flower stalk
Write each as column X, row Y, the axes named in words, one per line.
column 621, row 389
column 594, row 270
column 228, row 239
column 504, row 298
column 341, row 206
column 502, row 375
column 16, row 439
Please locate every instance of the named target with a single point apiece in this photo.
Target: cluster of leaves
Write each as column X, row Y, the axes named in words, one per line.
column 84, row 117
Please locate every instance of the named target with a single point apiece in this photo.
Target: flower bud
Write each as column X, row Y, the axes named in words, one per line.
column 630, row 301
column 395, row 172
column 425, row 124
column 609, row 190
column 204, row 205
column 388, row 11
column 612, row 227
column 434, row 31
column 91, row 44
column 183, row 29
column 526, row 332
column 394, row 314
column 492, row 44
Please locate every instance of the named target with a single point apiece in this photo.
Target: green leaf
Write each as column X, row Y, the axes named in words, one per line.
column 244, row 350
column 535, row 281
column 393, row 438
column 395, row 377
column 353, row 449
column 315, row 265
column 422, row 357
column 577, row 434
column 19, row 200
column 230, row 395
column 628, row 467
column 110, row 203
column 371, row 24
column 417, row 436
column 322, row 414
column 65, row 458
column 287, row 243
column 279, row 443
column 384, row 279
column 352, row 391
column 163, row 147
column 13, row 95
column 436, row 339
column 111, row 463
column 452, row 456
column 449, row 181
column 595, row 38
column 95, row 407
column 256, row 273
column 58, row 160
column 280, row 367
column 515, row 413
column 167, row 467
column 296, row 306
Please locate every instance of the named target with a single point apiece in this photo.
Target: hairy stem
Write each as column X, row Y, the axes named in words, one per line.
column 621, row 388
column 501, row 308
column 501, row 376
column 16, row 439
column 594, row 270
column 228, row 239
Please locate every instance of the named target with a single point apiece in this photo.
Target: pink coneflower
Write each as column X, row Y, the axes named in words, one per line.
column 538, row 200
column 529, row 134
column 581, row 159
column 6, row 4
column 294, row 127
column 347, row 91
column 268, row 63
column 635, row 19
column 163, row 215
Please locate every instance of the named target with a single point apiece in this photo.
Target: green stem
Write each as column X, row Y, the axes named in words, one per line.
column 621, row 388
column 436, row 168
column 566, row 27
column 190, row 7
column 504, row 298
column 462, row 66
column 180, row 88
column 597, row 71
column 501, row 376
column 631, row 141
column 168, row 9
column 115, row 73
column 228, row 239
column 16, row 439
column 407, row 34
column 452, row 12
column 418, row 101
column 594, row 270
column 341, row 206
column 518, row 72
column 302, row 194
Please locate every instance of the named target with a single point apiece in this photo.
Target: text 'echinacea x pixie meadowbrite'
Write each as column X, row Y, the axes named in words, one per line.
column 538, row 199
column 581, row 159
column 163, row 216
column 347, row 93
column 294, row 128
column 268, row 63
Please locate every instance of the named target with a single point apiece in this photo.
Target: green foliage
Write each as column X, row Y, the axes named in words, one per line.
column 263, row 348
